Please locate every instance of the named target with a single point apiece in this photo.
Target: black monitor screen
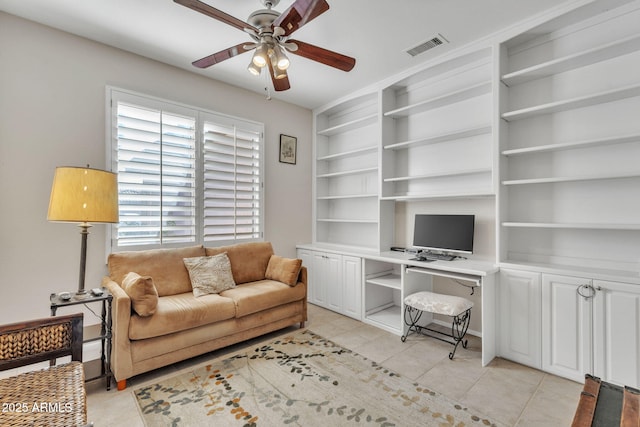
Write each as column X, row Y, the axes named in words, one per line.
column 444, row 232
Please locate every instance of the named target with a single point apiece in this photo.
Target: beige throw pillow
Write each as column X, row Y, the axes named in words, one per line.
column 285, row 270
column 143, row 293
column 210, row 274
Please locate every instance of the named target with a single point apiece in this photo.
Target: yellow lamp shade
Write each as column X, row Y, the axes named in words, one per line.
column 83, row 195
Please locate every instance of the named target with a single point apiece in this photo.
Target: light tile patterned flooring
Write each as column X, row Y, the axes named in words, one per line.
column 505, row 391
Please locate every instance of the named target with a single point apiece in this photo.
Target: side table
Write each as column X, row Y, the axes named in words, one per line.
column 105, row 327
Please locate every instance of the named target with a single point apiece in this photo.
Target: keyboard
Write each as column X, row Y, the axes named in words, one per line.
column 435, row 257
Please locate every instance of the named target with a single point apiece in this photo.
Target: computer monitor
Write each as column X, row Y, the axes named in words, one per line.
column 446, row 233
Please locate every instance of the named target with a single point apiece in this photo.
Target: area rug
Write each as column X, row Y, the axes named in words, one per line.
column 300, row 379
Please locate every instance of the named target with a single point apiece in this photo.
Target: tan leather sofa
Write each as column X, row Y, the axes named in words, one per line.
column 184, row 326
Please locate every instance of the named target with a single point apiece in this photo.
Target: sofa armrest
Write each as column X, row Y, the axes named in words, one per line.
column 121, row 363
column 302, row 276
column 302, row 279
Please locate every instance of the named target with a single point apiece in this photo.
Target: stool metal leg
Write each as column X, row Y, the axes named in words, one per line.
column 459, row 328
column 411, row 318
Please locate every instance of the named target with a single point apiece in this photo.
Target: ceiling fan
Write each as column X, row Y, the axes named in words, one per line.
column 271, row 32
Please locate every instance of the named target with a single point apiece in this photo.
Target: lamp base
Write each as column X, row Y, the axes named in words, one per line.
column 81, row 295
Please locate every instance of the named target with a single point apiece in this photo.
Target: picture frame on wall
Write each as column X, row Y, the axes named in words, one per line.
column 288, row 149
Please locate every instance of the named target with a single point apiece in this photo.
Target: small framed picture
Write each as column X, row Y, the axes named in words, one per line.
column 288, row 147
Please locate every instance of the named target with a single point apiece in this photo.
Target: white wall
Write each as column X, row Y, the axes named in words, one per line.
column 52, row 113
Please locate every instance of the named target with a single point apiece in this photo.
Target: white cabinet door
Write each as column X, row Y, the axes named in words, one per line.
column 332, row 281
column 352, row 286
column 307, row 261
column 566, row 327
column 519, row 324
column 318, row 294
column 617, row 333
column 335, row 281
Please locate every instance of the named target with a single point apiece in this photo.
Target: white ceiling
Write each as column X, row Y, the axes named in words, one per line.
column 375, row 32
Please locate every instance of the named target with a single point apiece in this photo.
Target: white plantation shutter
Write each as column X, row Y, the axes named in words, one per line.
column 184, row 176
column 232, row 180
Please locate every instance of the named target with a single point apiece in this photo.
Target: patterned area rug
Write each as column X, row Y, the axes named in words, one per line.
column 300, row 379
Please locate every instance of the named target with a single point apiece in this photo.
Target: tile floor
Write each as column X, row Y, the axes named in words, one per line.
column 508, row 392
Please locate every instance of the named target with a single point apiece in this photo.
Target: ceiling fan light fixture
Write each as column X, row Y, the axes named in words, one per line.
column 254, row 69
column 278, row 73
column 260, row 55
column 282, row 62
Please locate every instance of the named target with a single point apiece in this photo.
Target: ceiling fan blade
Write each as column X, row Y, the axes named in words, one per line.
column 299, row 13
column 278, row 84
column 327, row 57
column 214, row 13
column 223, row 55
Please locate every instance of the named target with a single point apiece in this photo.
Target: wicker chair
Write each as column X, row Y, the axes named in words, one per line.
column 50, row 397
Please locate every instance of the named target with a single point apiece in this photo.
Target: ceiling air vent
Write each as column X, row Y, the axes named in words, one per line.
column 425, row 46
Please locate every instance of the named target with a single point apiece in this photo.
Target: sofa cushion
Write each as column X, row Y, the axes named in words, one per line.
column 285, row 270
column 210, row 274
column 261, row 295
column 248, row 260
column 181, row 312
column 142, row 292
column 170, row 276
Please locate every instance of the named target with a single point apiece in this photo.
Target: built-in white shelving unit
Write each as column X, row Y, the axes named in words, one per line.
column 537, row 133
column 432, row 120
column 347, row 208
column 570, row 143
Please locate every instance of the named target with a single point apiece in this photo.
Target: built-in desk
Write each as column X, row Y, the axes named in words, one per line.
column 388, row 277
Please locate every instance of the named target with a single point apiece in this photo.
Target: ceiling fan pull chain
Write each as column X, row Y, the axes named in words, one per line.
column 267, row 89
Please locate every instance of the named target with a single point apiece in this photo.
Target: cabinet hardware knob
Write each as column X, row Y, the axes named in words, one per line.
column 592, row 291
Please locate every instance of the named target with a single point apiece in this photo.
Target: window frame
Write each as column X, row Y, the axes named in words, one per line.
column 115, row 95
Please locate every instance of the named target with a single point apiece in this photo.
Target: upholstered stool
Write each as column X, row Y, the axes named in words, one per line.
column 457, row 307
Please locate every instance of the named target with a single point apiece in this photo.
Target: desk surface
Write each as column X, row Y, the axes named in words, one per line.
column 463, row 266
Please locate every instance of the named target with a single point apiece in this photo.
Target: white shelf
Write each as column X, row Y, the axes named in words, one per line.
column 438, row 175
column 350, row 221
column 350, row 153
column 345, row 173
column 389, row 316
column 390, row 281
column 576, row 60
column 350, row 125
column 584, row 226
column 449, row 136
column 573, row 145
column 552, row 180
column 444, row 196
column 441, row 101
column 573, row 103
column 351, row 196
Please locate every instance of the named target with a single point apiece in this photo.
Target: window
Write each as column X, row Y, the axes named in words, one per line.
column 185, row 176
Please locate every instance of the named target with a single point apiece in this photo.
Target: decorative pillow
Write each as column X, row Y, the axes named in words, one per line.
column 285, row 270
column 143, row 293
column 210, row 274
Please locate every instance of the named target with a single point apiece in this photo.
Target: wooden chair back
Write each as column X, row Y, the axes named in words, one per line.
column 34, row 341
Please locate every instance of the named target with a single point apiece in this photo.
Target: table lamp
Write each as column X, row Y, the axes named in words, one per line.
column 84, row 196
